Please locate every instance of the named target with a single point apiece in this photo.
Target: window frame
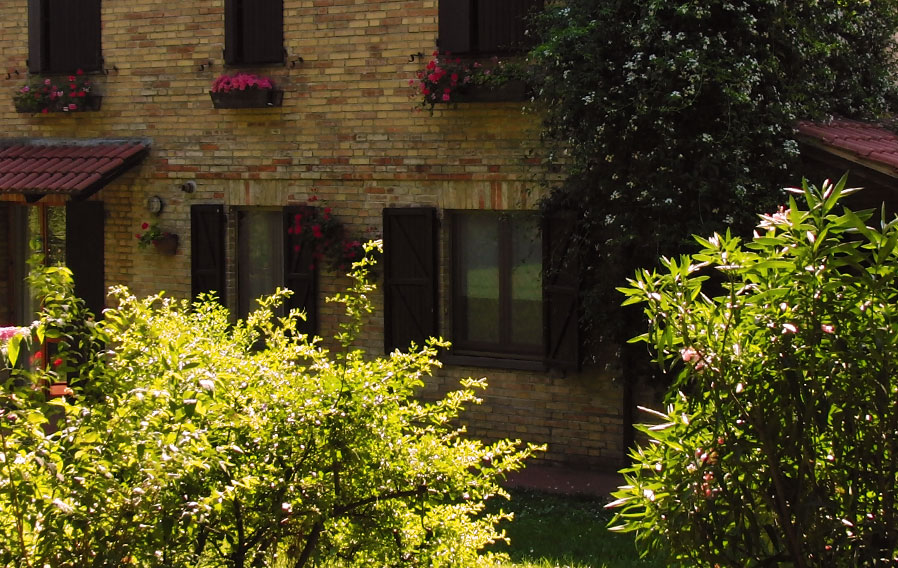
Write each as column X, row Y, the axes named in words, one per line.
column 240, row 49
column 50, row 51
column 461, row 27
column 503, row 348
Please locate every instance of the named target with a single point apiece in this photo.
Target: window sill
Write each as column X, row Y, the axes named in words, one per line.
column 493, row 362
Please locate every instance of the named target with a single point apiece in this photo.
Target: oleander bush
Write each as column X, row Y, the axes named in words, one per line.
column 193, row 441
column 778, row 445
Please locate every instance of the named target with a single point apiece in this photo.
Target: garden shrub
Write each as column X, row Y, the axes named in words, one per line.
column 778, row 445
column 197, row 442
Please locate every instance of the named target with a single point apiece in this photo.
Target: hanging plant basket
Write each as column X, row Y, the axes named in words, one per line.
column 167, row 244
column 88, row 103
column 248, row 98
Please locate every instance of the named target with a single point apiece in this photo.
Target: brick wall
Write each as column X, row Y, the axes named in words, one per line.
column 346, row 132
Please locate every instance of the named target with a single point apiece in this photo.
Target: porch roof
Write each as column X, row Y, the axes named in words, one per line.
column 78, row 168
column 864, row 143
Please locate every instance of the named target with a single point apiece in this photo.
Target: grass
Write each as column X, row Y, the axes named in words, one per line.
column 561, row 531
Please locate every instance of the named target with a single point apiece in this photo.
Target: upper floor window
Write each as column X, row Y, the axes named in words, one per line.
column 484, row 27
column 254, row 32
column 63, row 36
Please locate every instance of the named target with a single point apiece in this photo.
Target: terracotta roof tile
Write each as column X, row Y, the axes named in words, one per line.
column 864, row 140
column 65, row 166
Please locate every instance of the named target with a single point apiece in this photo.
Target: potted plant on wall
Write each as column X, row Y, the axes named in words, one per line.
column 245, row 90
column 73, row 93
column 163, row 241
column 447, row 79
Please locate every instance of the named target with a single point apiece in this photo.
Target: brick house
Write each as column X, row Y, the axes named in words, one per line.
column 453, row 194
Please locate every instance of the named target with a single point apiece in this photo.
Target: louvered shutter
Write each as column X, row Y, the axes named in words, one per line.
column 300, row 273
column 72, row 41
column 254, row 31
column 560, row 292
column 410, row 283
column 84, row 246
column 455, row 25
column 207, row 250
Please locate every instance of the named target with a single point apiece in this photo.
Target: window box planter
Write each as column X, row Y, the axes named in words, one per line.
column 248, row 98
column 167, row 244
column 88, row 103
column 511, row 91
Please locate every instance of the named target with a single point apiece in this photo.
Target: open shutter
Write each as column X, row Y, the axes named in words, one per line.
column 501, row 24
column 73, row 35
column 37, row 33
column 207, row 250
column 300, row 273
column 410, row 283
column 455, row 26
column 254, row 31
column 84, row 245
column 560, row 292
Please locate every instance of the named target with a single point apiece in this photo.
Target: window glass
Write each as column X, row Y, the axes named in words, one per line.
column 497, row 284
column 260, row 260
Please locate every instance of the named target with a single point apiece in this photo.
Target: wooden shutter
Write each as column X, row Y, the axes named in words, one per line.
column 560, row 292
column 410, row 283
column 72, row 41
column 455, row 26
column 37, row 32
column 501, row 24
column 84, row 246
column 254, row 31
column 300, row 273
column 207, row 250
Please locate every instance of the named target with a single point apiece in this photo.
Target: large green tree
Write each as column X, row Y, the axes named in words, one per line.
column 676, row 117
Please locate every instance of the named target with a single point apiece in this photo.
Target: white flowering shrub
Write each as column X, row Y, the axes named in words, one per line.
column 778, row 446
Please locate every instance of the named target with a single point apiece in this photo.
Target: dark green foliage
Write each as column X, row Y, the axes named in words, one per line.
column 674, row 118
column 779, row 441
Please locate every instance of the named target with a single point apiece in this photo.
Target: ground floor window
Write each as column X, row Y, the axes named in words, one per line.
column 497, row 298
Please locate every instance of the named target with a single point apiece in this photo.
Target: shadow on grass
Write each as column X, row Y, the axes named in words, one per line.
column 551, row 530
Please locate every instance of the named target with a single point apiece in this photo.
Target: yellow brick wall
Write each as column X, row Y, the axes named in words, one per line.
column 347, row 132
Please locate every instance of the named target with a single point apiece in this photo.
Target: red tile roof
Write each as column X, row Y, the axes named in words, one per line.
column 861, row 142
column 72, row 167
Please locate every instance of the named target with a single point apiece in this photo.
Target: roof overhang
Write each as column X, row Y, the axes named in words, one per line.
column 76, row 168
column 866, row 144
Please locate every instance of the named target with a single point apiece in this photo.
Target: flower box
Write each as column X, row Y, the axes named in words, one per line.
column 511, row 91
column 167, row 244
column 247, row 98
column 88, row 103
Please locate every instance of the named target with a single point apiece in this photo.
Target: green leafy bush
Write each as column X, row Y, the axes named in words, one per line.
column 195, row 442
column 779, row 442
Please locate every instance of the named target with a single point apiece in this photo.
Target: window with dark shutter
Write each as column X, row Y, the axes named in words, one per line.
column 560, row 293
column 410, row 284
column 484, row 26
column 207, row 250
column 64, row 36
column 84, row 246
column 254, row 32
column 300, row 274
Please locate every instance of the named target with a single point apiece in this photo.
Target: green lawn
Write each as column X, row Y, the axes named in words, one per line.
column 552, row 531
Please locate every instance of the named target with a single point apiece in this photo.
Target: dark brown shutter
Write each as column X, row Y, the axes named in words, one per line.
column 501, row 24
column 207, row 250
column 410, row 283
column 300, row 273
column 84, row 246
column 560, row 292
column 254, row 31
column 37, row 33
column 73, row 36
column 455, row 26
